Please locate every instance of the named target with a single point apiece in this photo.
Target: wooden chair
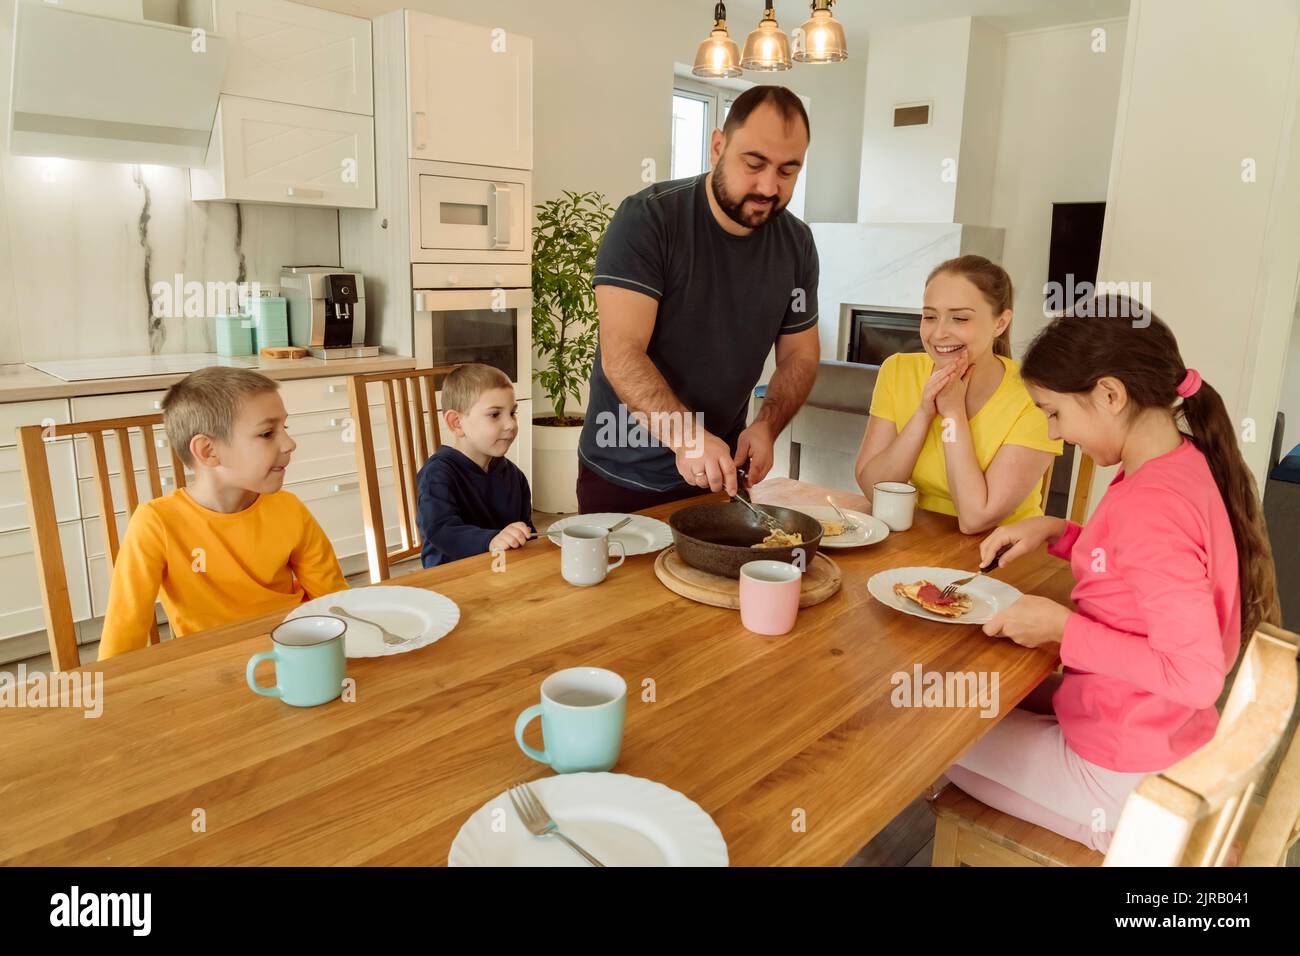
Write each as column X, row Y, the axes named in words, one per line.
column 59, row 626
column 1206, row 810
column 1078, row 509
column 414, row 434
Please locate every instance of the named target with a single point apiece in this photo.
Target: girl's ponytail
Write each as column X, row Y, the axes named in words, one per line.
column 1210, row 429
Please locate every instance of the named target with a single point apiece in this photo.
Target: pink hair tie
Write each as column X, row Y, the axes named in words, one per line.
column 1190, row 383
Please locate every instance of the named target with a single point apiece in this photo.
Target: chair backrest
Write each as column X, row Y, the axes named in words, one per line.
column 1202, row 811
column 1082, row 486
column 1078, row 509
column 32, row 439
column 413, row 434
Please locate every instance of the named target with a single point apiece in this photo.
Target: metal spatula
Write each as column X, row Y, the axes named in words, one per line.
column 742, row 495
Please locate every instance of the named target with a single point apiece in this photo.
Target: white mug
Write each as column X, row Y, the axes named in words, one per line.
column 584, row 554
column 893, row 502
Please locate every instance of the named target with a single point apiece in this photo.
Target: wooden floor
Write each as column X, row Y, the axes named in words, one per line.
column 908, row 840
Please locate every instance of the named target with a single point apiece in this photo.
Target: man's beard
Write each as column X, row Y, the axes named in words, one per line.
column 735, row 208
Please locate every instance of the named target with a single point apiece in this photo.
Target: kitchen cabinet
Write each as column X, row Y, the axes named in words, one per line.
column 470, row 93
column 283, row 153
column 291, row 53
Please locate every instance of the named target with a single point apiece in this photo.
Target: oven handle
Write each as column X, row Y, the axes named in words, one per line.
column 500, row 218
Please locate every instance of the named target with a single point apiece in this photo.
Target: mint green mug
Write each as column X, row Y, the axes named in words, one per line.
column 310, row 661
column 582, row 713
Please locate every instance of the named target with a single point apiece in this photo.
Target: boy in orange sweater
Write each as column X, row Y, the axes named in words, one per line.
column 232, row 545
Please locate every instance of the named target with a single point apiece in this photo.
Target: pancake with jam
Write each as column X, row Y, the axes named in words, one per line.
column 931, row 597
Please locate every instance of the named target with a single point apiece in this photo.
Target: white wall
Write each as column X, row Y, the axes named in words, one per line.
column 981, row 124
column 1207, row 84
column 1058, row 124
column 900, row 179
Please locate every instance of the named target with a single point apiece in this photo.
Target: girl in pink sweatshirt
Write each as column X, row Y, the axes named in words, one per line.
column 1171, row 570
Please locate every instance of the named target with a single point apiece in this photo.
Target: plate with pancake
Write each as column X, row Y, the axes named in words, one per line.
column 916, row 591
column 868, row 529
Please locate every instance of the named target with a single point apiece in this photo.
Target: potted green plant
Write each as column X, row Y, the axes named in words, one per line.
column 565, row 332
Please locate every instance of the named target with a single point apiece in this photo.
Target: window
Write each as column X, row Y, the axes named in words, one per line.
column 691, row 131
column 698, row 109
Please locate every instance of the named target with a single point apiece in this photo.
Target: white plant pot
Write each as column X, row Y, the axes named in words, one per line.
column 555, row 468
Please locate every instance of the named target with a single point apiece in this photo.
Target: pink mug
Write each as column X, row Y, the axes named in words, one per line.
column 769, row 596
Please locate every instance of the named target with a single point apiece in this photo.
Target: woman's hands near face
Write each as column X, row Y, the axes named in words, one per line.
column 950, row 401
column 940, row 379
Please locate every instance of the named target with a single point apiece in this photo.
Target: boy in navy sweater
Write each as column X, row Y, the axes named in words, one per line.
column 472, row 499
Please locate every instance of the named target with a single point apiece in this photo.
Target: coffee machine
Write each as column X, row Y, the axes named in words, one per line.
column 327, row 311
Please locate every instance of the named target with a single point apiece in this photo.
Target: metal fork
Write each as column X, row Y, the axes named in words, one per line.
column 951, row 589
column 389, row 636
column 539, row 822
column 850, row 524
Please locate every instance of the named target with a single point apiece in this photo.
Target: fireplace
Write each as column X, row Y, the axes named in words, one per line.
column 876, row 333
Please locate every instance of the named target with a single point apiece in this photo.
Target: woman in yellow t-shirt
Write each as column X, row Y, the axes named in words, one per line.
column 956, row 420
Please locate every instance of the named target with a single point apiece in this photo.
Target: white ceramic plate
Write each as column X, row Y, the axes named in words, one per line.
column 641, row 535
column 871, row 529
column 618, row 819
column 406, row 611
column 988, row 595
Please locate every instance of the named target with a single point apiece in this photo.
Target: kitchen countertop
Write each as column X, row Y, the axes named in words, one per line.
column 22, row 383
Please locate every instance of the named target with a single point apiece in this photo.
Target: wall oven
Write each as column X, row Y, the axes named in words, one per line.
column 490, row 322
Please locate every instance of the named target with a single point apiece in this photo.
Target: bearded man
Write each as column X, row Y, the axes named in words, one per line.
column 696, row 280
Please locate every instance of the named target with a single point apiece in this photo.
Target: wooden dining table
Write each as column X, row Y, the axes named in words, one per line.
column 792, row 744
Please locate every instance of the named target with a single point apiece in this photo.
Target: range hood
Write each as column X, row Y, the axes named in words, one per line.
column 109, row 89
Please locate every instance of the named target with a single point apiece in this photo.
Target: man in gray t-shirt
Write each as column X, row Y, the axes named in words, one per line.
column 695, row 281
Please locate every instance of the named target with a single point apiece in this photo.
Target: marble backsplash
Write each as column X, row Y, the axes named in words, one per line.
column 83, row 243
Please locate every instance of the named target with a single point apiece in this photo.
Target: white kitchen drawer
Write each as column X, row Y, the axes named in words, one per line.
column 322, row 451
column 21, row 607
column 14, row 415
column 13, row 486
column 294, row 53
column 291, row 155
column 470, row 275
column 303, row 395
column 336, row 505
column 119, row 405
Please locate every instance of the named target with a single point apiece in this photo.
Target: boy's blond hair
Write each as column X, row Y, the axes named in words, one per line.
column 462, row 388
column 207, row 402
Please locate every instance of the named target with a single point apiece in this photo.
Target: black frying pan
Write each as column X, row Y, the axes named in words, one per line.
column 717, row 537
